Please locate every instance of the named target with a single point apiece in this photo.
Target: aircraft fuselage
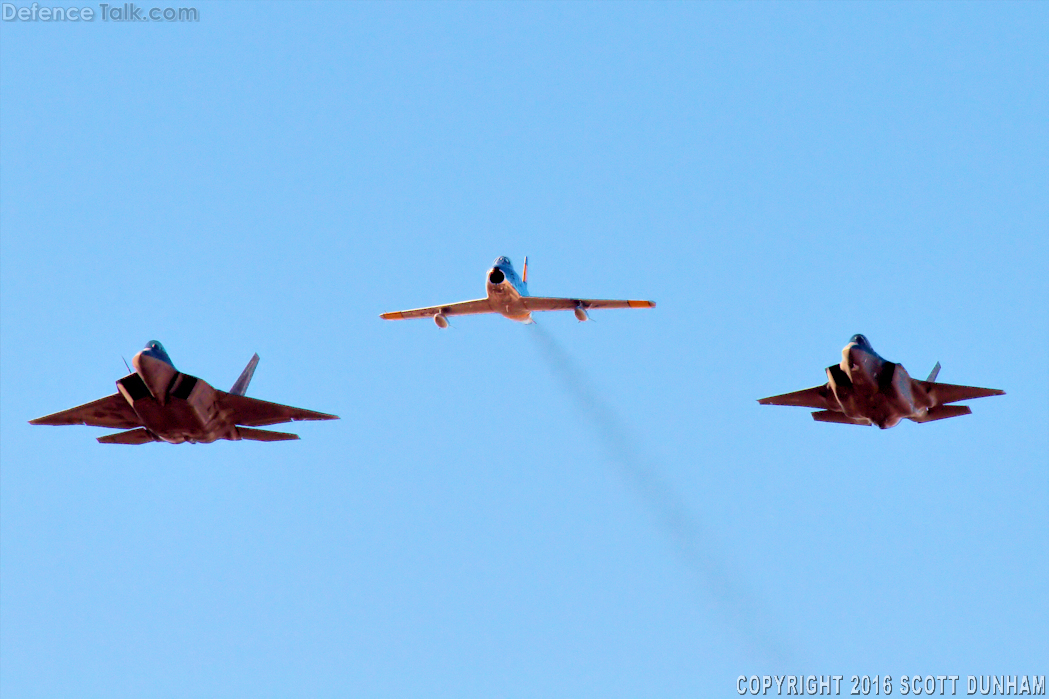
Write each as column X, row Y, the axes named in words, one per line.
column 505, row 291
column 867, row 387
column 173, row 407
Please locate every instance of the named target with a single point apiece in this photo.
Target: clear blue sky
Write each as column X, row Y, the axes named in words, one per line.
column 568, row 510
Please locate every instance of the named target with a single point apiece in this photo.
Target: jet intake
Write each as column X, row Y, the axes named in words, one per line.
column 496, row 276
column 840, row 383
column 441, row 320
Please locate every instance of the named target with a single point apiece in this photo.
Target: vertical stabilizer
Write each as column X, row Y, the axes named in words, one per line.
column 241, row 387
column 524, row 272
column 934, row 373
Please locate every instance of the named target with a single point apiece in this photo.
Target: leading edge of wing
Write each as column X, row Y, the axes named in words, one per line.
column 556, row 303
column 253, row 412
column 111, row 411
column 462, row 308
column 815, row 397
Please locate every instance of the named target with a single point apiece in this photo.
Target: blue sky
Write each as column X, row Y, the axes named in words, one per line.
column 569, row 509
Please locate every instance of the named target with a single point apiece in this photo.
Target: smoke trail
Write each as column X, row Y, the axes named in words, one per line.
column 733, row 601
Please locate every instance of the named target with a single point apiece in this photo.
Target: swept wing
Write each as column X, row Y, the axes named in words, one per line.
column 253, row 412
column 815, row 397
column 463, row 308
column 943, row 393
column 111, row 411
column 552, row 303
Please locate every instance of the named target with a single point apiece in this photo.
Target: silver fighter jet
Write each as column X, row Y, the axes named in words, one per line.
column 164, row 405
column 865, row 389
column 508, row 296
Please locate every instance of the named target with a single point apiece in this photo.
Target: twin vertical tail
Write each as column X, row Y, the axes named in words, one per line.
column 241, row 387
column 934, row 373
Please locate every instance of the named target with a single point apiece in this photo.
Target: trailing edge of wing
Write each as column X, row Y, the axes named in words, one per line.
column 111, row 411
column 943, row 393
column 815, row 397
column 253, row 412
column 463, row 308
column 139, row 436
column 553, row 303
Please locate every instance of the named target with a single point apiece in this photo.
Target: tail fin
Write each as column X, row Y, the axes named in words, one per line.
column 241, row 387
column 524, row 272
column 934, row 373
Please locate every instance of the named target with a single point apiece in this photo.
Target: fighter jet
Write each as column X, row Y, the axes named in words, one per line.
column 165, row 405
column 508, row 296
column 866, row 389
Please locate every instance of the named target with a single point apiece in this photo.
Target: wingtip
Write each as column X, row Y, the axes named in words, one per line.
column 394, row 315
column 642, row 304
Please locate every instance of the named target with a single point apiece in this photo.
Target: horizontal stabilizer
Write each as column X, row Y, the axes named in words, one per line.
column 139, row 436
column 265, row 435
column 943, row 412
column 943, row 393
column 241, row 387
column 840, row 418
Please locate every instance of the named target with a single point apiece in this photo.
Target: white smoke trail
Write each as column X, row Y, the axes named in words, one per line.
column 713, row 575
